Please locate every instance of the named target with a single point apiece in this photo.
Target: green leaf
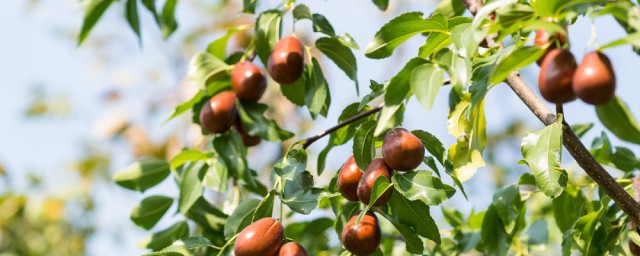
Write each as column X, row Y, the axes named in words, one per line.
column 150, row 211
column 541, row 151
column 584, row 232
column 414, row 214
column 381, row 4
column 615, row 115
column 249, row 6
column 231, row 150
column 131, row 13
column 468, row 125
column 466, row 39
column 190, row 155
column 95, row 9
column 345, row 215
column 340, row 55
column 624, row 159
column 302, row 11
column 184, row 106
column 142, row 175
column 210, row 219
column 292, row 164
column 182, row 245
column 218, row 47
column 377, row 89
column 217, row 176
column 435, row 42
column 517, row 59
column 363, row 144
column 254, row 122
column 451, row 8
column 420, row 185
column 164, row 238
column 426, row 81
column 413, row 242
column 300, row 195
column 568, row 207
column 432, row 144
column 581, row 129
column 169, row 24
column 380, row 186
column 268, row 26
column 241, row 217
column 390, row 117
column 397, row 31
column 495, row 238
column 190, row 186
column 205, row 68
column 322, row 25
column 295, row 92
column 508, row 205
column 264, row 209
column 398, row 88
column 317, row 96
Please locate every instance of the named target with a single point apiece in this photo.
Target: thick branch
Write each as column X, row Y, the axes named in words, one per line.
column 573, row 144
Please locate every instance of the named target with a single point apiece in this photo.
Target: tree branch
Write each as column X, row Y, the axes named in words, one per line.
column 571, row 142
column 312, row 139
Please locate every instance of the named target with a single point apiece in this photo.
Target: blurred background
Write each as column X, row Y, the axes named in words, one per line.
column 71, row 116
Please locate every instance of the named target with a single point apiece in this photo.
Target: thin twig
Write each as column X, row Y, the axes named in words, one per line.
column 571, row 142
column 312, row 139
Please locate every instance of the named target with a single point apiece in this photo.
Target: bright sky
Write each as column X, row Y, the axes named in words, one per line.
column 37, row 49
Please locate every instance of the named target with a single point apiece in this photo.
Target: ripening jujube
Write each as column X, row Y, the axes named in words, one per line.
column 248, row 81
column 362, row 238
column 286, row 62
column 293, row 249
column 556, row 76
column 348, row 179
column 261, row 238
column 594, row 81
column 219, row 113
column 375, row 169
column 402, row 150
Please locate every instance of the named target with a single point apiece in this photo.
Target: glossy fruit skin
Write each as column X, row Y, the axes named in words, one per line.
column 594, row 81
column 248, row 81
column 556, row 76
column 261, row 238
column 286, row 62
column 219, row 113
column 363, row 238
column 348, row 179
column 376, row 168
column 293, row 249
column 401, row 150
column 543, row 37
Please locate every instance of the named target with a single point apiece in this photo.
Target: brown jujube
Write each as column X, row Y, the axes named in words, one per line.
column 219, row 113
column 261, row 238
column 248, row 81
column 362, row 238
column 376, row 168
column 594, row 81
column 293, row 249
column 348, row 179
column 286, row 62
column 556, row 75
column 401, row 150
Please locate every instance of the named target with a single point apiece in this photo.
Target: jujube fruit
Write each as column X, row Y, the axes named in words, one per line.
column 247, row 140
column 219, row 113
column 362, row 238
column 248, row 81
column 261, row 238
column 556, row 75
column 293, row 249
column 286, row 62
column 594, row 81
column 375, row 169
column 402, row 150
column 348, row 179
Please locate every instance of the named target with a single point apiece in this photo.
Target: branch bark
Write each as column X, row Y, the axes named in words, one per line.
column 571, row 142
column 312, row 139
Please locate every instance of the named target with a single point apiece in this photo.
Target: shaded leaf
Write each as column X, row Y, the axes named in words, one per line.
column 150, row 211
column 142, row 175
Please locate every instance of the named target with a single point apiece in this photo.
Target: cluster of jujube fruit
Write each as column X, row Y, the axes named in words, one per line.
column 562, row 79
column 402, row 151
column 285, row 66
column 265, row 237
